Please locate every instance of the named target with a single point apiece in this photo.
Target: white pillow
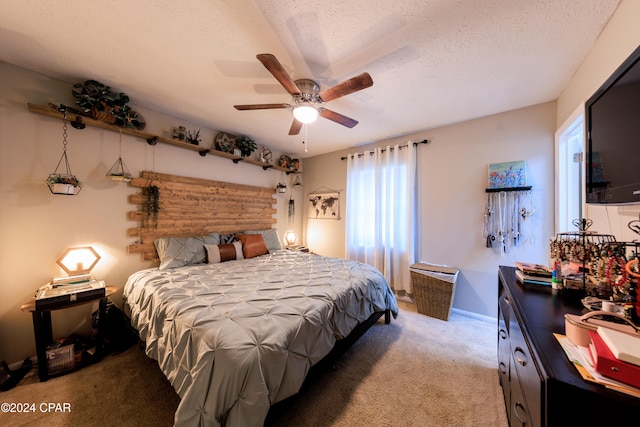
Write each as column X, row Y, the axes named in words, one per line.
column 225, row 252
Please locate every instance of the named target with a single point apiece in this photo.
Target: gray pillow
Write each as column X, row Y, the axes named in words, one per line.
column 200, row 256
column 180, row 251
column 174, row 251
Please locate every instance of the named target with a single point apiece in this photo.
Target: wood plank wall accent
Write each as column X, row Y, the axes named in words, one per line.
column 195, row 207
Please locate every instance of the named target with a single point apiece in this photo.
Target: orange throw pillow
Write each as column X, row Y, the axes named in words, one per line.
column 252, row 245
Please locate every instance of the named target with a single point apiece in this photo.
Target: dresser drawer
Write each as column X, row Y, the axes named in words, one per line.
column 518, row 409
column 504, row 360
column 529, row 378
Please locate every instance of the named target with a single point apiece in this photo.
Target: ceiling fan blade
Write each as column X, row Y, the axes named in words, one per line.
column 337, row 117
column 273, row 65
column 295, row 127
column 354, row 84
column 260, row 106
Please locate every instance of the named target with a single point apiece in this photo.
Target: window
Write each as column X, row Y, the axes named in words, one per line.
column 570, row 172
column 380, row 211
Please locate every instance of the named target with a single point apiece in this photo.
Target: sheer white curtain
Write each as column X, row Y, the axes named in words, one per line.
column 380, row 211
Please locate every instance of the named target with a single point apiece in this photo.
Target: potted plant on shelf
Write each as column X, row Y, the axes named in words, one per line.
column 123, row 114
column 96, row 100
column 193, row 138
column 246, row 145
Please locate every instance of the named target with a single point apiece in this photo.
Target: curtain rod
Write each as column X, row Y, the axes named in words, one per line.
column 415, row 144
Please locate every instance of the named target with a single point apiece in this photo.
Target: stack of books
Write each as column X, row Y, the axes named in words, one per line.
column 61, row 292
column 533, row 274
column 616, row 355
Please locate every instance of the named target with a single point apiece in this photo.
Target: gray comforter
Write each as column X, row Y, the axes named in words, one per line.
column 236, row 337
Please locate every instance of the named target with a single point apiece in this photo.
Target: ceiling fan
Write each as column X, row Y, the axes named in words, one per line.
column 307, row 101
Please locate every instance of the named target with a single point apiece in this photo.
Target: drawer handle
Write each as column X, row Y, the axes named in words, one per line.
column 521, row 360
column 517, row 409
column 503, row 334
column 507, row 300
column 503, row 368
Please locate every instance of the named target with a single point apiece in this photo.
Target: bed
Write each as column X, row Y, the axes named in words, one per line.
column 236, row 337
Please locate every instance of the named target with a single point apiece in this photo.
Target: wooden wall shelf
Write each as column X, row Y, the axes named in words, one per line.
column 507, row 189
column 151, row 139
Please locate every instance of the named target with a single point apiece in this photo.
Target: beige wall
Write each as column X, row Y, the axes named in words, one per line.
column 452, row 178
column 36, row 226
column 616, row 42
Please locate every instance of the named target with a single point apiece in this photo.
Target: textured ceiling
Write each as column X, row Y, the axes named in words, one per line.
column 433, row 62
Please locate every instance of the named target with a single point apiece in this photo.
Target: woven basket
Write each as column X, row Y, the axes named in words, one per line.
column 104, row 115
column 433, row 290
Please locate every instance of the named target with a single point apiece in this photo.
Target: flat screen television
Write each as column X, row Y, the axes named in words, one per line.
column 612, row 119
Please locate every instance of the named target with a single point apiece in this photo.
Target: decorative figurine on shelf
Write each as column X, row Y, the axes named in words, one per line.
column 182, row 133
column 266, row 155
column 288, row 163
column 224, row 142
column 283, row 161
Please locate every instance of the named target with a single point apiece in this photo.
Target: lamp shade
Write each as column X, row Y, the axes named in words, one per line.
column 305, row 114
column 290, row 237
column 80, row 260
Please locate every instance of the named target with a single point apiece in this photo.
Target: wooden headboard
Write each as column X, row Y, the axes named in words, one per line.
column 194, row 207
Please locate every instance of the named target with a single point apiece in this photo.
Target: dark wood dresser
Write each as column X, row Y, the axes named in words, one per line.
column 541, row 387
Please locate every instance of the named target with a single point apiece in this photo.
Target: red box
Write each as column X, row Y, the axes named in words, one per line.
column 608, row 365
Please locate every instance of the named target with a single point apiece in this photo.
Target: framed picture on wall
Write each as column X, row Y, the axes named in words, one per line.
column 508, row 175
column 324, row 205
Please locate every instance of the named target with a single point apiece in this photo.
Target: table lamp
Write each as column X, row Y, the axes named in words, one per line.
column 78, row 262
column 290, row 237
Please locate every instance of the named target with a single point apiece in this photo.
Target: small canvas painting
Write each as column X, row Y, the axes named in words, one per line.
column 508, row 175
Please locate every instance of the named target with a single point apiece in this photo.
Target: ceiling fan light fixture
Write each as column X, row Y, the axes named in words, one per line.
column 305, row 114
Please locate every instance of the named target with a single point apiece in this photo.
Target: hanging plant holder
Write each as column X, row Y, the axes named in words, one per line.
column 64, row 181
column 281, row 187
column 119, row 171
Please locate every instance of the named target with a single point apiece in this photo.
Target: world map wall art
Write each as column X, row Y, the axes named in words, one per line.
column 324, row 206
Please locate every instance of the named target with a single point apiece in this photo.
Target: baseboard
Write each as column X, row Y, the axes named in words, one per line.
column 474, row 315
column 15, row 365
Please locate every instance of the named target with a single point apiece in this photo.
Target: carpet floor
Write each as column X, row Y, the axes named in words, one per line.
column 417, row 371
